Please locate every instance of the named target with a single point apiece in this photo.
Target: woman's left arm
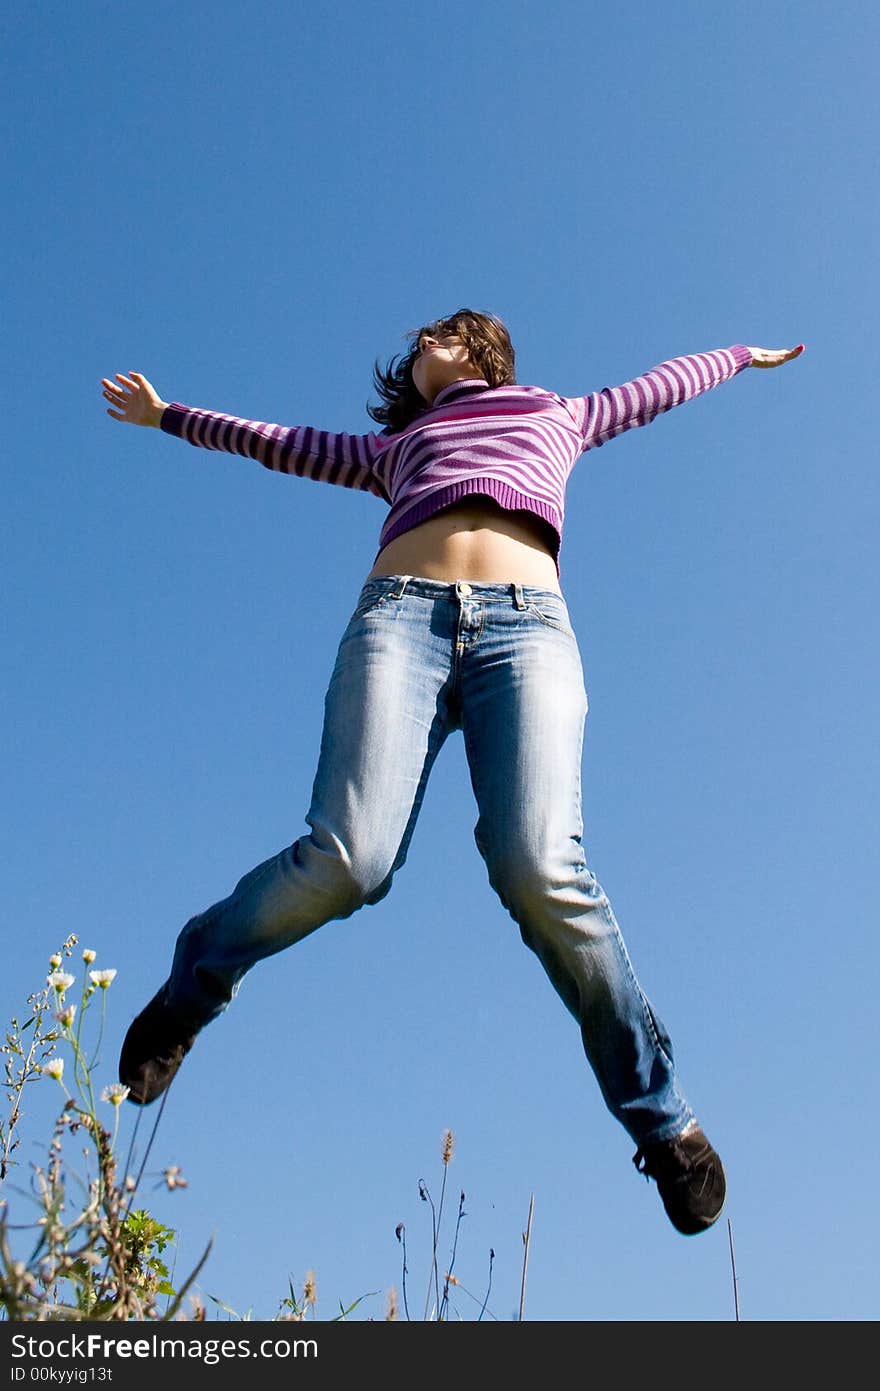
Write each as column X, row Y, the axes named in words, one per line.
column 607, row 413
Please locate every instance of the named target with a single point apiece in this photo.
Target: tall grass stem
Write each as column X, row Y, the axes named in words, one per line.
column 733, row 1269
column 527, row 1236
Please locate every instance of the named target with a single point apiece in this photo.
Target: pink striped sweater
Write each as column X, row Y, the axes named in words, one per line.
column 514, row 444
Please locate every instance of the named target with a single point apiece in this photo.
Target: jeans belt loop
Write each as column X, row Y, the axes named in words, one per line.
column 518, row 599
column 399, row 586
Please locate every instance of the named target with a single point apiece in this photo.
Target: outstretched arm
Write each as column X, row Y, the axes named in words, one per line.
column 604, row 414
column 349, row 460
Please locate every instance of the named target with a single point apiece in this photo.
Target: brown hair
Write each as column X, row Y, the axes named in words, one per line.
column 489, row 348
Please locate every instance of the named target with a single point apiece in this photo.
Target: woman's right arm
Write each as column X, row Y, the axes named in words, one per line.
column 353, row 461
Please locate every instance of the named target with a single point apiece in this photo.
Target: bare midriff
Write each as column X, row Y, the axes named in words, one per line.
column 474, row 540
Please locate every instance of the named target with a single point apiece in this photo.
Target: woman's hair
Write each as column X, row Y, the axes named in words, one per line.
column 489, row 348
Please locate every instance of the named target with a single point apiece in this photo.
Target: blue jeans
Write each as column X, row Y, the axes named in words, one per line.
column 418, row 659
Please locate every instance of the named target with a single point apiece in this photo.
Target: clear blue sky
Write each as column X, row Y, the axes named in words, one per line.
column 249, row 204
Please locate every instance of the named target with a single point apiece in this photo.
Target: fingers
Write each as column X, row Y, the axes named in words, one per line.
column 120, row 392
column 124, row 391
column 774, row 357
column 113, row 394
column 123, row 397
column 132, row 399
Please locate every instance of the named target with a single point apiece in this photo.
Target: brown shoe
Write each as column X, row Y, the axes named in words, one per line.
column 689, row 1176
column 156, row 1044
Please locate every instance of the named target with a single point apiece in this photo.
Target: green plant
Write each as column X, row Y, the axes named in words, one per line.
column 89, row 1254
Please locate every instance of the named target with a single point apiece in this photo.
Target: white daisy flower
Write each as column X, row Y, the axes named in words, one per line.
column 115, row 1093
column 102, row 978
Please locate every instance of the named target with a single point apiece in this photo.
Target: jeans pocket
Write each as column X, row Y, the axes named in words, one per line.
column 371, row 597
column 553, row 613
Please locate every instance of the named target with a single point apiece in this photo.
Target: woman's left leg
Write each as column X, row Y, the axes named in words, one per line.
column 523, row 706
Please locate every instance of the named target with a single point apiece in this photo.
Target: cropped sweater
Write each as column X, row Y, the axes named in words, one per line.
column 514, row 444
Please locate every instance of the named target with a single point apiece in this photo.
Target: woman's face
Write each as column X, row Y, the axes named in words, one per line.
column 440, row 362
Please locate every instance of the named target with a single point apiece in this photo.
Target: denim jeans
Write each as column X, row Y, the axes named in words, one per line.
column 418, row 659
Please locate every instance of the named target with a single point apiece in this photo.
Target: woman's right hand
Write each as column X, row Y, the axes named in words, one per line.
column 136, row 400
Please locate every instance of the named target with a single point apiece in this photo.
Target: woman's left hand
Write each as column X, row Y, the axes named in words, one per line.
column 774, row 357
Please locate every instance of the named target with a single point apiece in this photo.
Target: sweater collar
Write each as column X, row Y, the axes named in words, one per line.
column 458, row 391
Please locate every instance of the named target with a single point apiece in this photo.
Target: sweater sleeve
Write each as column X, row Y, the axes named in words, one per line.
column 349, row 460
column 606, row 413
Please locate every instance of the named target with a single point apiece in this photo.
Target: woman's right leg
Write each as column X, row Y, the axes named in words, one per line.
column 385, row 720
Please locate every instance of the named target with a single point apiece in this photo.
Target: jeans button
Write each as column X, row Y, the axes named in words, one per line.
column 464, row 589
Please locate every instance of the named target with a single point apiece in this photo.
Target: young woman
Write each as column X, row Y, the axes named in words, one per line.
column 460, row 624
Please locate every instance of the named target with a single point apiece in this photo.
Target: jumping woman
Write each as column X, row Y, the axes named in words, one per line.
column 460, row 624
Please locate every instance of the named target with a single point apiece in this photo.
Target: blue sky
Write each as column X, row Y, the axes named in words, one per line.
column 250, row 204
